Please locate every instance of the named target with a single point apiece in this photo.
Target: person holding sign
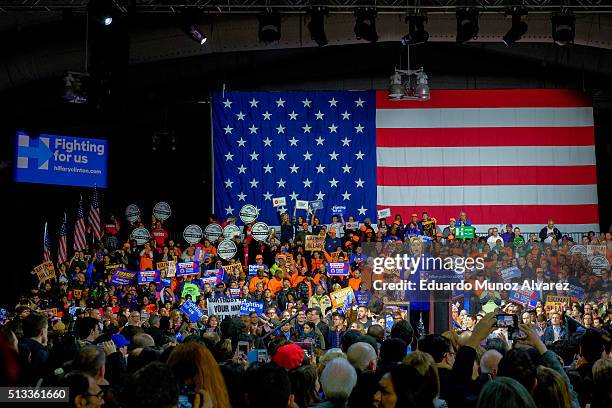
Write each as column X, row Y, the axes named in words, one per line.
column 320, row 300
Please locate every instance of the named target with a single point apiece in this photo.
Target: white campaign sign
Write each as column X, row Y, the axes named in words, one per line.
column 227, row 249
column 301, row 204
column 230, row 230
column 384, row 213
column 132, row 213
column 140, row 235
column 248, row 213
column 279, row 202
column 162, row 211
column 213, row 232
column 260, row 231
column 227, row 307
column 193, row 233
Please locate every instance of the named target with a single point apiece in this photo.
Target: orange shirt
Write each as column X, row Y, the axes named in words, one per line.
column 316, row 263
column 275, row 285
column 354, row 283
column 254, row 281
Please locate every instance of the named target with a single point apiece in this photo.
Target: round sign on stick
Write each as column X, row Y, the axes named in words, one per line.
column 227, row 249
column 599, row 264
column 193, row 233
column 212, row 232
column 162, row 211
column 231, row 230
column 248, row 213
column 132, row 213
column 140, row 235
column 578, row 249
column 260, row 231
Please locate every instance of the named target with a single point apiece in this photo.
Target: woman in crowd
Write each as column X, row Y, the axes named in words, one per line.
column 504, row 392
column 394, row 392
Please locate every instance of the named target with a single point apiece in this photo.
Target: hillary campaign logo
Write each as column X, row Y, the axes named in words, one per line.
column 64, row 160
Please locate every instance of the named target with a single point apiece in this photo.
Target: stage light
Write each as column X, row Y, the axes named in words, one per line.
column 108, row 20
column 519, row 26
column 416, row 31
column 563, row 28
column 103, row 11
column 408, row 84
column 191, row 27
column 365, row 25
column 467, row 25
column 269, row 28
column 316, row 26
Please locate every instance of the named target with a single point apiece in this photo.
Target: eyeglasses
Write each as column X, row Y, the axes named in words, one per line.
column 98, row 395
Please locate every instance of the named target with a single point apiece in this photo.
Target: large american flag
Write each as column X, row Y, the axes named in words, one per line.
column 93, row 220
column 80, row 241
column 62, row 248
column 502, row 156
column 46, row 245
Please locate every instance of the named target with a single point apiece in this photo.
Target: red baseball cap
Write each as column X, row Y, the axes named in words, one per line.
column 289, row 356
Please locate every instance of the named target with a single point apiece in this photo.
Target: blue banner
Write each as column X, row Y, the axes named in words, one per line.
column 527, row 298
column 187, row 268
column 212, row 276
column 145, row 277
column 510, row 273
column 337, row 268
column 253, row 269
column 122, row 277
column 192, row 310
column 248, row 307
column 575, row 292
column 64, row 160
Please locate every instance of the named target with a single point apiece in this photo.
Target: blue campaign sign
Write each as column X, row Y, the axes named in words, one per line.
column 253, row 269
column 194, row 312
column 64, row 160
column 510, row 273
column 339, row 209
column 248, row 307
column 576, row 292
column 187, row 268
column 526, row 298
column 212, row 276
column 145, row 277
column 338, row 268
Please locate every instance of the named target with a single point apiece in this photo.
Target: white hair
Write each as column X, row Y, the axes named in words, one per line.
column 360, row 355
column 338, row 379
column 489, row 361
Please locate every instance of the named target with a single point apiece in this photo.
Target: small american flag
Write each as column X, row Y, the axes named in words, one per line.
column 93, row 220
column 80, row 242
column 62, row 251
column 46, row 246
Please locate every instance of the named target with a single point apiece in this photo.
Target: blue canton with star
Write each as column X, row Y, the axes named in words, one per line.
column 298, row 145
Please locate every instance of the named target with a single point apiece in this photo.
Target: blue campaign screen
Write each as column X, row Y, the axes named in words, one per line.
column 64, row 160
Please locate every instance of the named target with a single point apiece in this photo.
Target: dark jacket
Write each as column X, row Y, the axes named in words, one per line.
column 549, row 335
column 38, row 355
column 544, row 235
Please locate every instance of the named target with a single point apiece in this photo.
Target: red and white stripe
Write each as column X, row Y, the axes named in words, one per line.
column 46, row 245
column 502, row 156
column 62, row 249
column 80, row 240
column 93, row 220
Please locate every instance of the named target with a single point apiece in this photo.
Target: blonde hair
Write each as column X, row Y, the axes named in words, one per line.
column 551, row 390
column 426, row 366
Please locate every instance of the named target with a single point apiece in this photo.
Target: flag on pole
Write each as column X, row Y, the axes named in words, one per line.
column 46, row 245
column 62, row 251
column 93, row 220
column 80, row 242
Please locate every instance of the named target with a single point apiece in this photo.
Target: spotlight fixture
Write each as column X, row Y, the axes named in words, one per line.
column 365, row 25
column 189, row 24
column 416, row 31
column 269, row 27
column 103, row 11
column 563, row 28
column 467, row 25
column 408, row 84
column 316, row 26
column 519, row 26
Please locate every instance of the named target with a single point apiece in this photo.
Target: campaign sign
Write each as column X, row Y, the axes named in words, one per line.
column 526, row 298
column 339, row 209
column 230, row 231
column 344, row 296
column 140, row 235
column 162, row 211
column 363, row 298
column 464, row 232
column 384, row 213
column 145, row 277
column 234, row 293
column 122, row 277
column 191, row 290
column 248, row 213
column 227, row 249
column 301, row 204
column 226, row 307
column 63, row 160
column 260, row 231
column 193, row 233
column 338, row 268
column 193, row 311
column 132, row 213
column 187, row 268
column 576, row 293
column 212, row 276
column 316, row 204
column 510, row 273
column 249, row 307
column 213, row 232
column 279, row 202
column 253, row 269
column 352, row 225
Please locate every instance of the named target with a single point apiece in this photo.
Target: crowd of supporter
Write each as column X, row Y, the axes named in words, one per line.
column 132, row 345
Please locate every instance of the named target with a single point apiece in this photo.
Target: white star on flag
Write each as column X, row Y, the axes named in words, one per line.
column 332, row 102
column 267, row 141
column 241, row 196
column 229, row 210
column 293, row 195
column 280, row 103
column 346, row 115
column 320, row 168
column 228, row 129
column 280, row 129
column 362, row 210
column 267, row 196
column 229, row 156
column 281, row 183
column 346, row 168
column 227, row 104
column 253, row 129
column 332, row 128
column 346, row 141
column 267, row 168
column 254, row 183
column 293, row 115
column 307, row 182
column 359, row 155
column 333, row 155
column 333, row 182
column 319, row 115
column 359, row 103
column 253, row 103
column 319, row 141
column 281, row 155
column 307, row 155
column 294, row 168
column 254, row 155
column 240, row 115
column 306, row 128
column 266, row 115
column 359, row 182
column 228, row 183
column 359, row 128
column 241, row 142
column 320, row 195
column 346, row 196
column 241, row 169
column 306, row 103
column 293, row 141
